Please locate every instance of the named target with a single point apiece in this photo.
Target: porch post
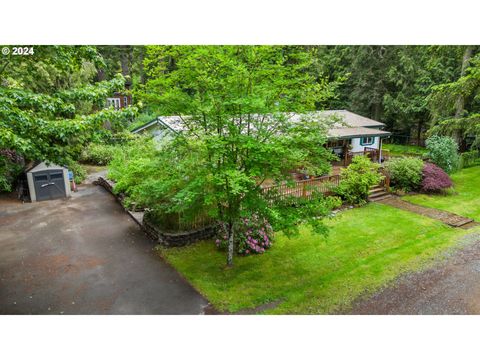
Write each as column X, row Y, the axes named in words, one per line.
column 379, row 149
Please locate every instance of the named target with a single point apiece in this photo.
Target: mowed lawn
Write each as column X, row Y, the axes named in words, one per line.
column 308, row 274
column 463, row 200
column 399, row 150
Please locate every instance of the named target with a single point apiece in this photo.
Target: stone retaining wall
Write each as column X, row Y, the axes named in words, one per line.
column 183, row 238
column 168, row 239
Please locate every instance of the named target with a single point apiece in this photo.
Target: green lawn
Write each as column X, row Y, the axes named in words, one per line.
column 407, row 150
column 464, row 200
column 308, row 274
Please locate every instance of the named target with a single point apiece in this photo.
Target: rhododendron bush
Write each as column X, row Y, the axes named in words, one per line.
column 434, row 178
column 253, row 236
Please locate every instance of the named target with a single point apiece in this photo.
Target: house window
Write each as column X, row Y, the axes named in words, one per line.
column 125, row 101
column 365, row 141
column 115, row 102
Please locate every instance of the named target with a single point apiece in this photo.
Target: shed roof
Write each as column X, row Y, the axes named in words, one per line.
column 43, row 166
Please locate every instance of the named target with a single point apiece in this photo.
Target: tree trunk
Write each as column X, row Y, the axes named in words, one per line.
column 460, row 103
column 141, row 55
column 377, row 111
column 230, row 245
column 125, row 60
column 419, row 131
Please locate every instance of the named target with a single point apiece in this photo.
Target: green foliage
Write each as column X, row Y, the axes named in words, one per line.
column 49, row 108
column 357, row 179
column 142, row 119
column 389, row 83
column 455, row 105
column 470, row 158
column 9, row 170
column 405, row 172
column 405, row 150
column 443, row 151
column 234, row 102
column 79, row 172
column 97, row 154
column 464, row 200
column 367, row 248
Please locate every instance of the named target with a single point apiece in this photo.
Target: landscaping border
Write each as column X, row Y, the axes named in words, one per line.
column 168, row 239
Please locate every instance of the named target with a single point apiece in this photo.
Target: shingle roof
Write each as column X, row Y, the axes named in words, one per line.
column 346, row 124
column 360, row 131
column 351, row 119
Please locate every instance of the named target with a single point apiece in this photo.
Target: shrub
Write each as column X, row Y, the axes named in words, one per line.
column 405, row 172
column 253, row 236
column 357, row 179
column 98, row 154
column 443, row 151
column 79, row 173
column 10, row 168
column 434, row 179
column 470, row 158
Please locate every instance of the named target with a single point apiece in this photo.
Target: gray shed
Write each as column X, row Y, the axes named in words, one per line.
column 48, row 182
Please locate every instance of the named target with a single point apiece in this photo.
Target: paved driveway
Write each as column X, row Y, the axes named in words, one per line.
column 84, row 255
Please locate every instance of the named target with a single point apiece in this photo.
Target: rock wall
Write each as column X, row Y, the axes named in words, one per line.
column 169, row 239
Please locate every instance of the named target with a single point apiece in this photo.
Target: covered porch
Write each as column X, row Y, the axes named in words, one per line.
column 349, row 147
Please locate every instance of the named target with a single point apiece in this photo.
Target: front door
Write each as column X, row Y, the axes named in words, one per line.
column 49, row 184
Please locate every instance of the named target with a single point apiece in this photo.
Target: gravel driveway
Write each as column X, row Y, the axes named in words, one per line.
column 450, row 287
column 84, row 255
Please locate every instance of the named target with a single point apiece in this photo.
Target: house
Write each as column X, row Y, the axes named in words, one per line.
column 349, row 134
column 355, row 135
column 120, row 100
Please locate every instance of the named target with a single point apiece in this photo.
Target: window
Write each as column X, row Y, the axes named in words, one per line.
column 56, row 176
column 115, row 102
column 125, row 101
column 41, row 177
column 365, row 141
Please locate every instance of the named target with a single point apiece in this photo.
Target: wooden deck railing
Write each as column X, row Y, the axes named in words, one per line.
column 385, row 182
column 304, row 188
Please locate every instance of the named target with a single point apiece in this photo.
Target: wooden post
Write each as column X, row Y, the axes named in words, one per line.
column 304, row 189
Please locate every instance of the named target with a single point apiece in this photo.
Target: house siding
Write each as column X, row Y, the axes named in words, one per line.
column 356, row 147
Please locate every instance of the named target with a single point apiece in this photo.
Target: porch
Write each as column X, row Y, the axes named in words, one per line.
column 375, row 155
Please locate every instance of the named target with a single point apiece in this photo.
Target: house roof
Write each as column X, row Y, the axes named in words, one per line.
column 353, row 132
column 171, row 122
column 345, row 123
column 351, row 119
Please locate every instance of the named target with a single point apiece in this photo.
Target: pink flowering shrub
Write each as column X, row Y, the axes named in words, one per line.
column 434, row 178
column 252, row 236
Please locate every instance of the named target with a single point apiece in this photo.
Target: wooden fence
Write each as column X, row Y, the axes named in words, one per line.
column 304, row 188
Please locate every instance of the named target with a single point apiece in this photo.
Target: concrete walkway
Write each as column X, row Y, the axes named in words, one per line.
column 441, row 215
column 84, row 255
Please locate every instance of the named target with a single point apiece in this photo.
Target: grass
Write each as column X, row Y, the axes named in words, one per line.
column 464, row 200
column 367, row 247
column 405, row 150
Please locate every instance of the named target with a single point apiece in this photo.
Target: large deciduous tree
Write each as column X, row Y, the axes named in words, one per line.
column 49, row 105
column 235, row 104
